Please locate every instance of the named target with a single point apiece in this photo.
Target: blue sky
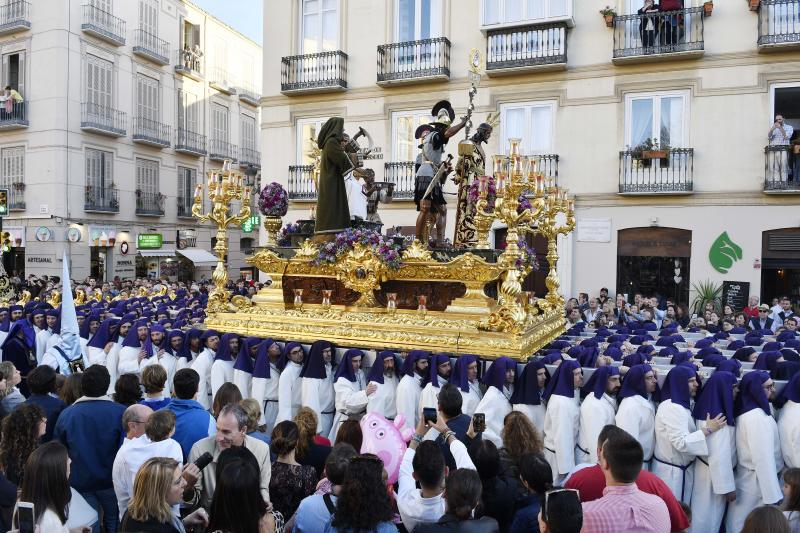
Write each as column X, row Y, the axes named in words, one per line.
column 246, row 16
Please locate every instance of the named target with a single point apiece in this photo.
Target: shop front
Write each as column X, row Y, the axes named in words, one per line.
column 780, row 264
column 14, row 251
column 153, row 260
column 101, row 240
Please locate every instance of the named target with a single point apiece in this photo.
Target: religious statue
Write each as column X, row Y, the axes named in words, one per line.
column 333, row 212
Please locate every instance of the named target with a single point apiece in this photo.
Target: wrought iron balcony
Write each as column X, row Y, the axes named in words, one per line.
column 414, row 61
column 249, row 93
column 100, row 199
column 189, row 63
column 249, row 156
column 221, row 150
column 103, row 120
column 190, row 143
column 301, row 183
column 185, row 207
column 15, row 16
column 149, row 204
column 401, row 173
column 781, row 169
column 778, row 25
column 103, row 25
column 151, row 132
column 16, row 196
column 666, row 35
column 219, row 79
column 547, row 164
column 642, row 172
column 150, row 47
column 534, row 47
column 321, row 72
column 16, row 119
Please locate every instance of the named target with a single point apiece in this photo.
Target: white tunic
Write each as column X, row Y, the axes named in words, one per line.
column 760, row 460
column 351, row 401
column 129, row 360
column 383, row 400
column 637, row 416
column 789, row 431
column 289, row 399
column 221, row 373
column 535, row 414
column 168, row 362
column 185, row 363
column 96, row 356
column 408, row 394
column 52, row 340
column 471, row 399
column 713, row 479
column 265, row 390
column 678, row 442
column 112, row 364
column 429, row 397
column 596, row 413
column 243, row 381
column 495, row 406
column 317, row 394
column 41, row 343
column 202, row 365
column 561, row 428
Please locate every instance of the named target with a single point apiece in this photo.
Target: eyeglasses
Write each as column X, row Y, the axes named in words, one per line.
column 551, row 493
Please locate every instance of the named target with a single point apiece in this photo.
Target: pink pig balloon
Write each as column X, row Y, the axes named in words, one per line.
column 385, row 439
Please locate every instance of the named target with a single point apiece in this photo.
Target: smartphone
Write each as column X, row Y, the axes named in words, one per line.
column 429, row 414
column 25, row 517
column 479, row 422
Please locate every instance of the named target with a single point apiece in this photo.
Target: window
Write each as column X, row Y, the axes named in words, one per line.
column 188, row 111
column 187, row 179
column 103, row 5
column 99, row 169
column 99, row 83
column 147, row 178
column 14, row 71
column 418, row 19
column 147, row 98
column 404, row 124
column 511, row 11
column 13, row 165
column 248, row 140
column 148, row 16
column 190, row 36
column 656, row 116
column 219, row 123
column 531, row 122
column 320, row 26
column 307, row 131
column 220, row 54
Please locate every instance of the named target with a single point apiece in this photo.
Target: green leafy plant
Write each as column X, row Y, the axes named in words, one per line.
column 608, row 11
column 705, row 292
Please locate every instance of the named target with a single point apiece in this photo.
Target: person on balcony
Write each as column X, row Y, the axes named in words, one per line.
column 12, row 101
column 648, row 25
column 671, row 23
column 779, row 136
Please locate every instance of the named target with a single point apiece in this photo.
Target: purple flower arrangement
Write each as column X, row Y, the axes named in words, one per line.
column 528, row 258
column 273, row 200
column 285, row 235
column 345, row 241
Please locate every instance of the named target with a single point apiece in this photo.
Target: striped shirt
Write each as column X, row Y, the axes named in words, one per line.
column 625, row 508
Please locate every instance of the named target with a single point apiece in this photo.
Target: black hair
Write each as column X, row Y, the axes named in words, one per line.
column 185, row 383
column 428, row 464
column 235, row 454
column 42, row 380
column 486, row 458
column 337, row 462
column 237, row 504
column 450, row 400
column 463, row 493
column 127, row 389
column 536, row 472
column 624, row 456
column 563, row 512
column 96, row 381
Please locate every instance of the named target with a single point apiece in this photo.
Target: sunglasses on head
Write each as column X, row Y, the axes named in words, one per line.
column 551, row 494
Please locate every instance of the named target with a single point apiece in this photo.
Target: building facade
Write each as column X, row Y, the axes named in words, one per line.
column 123, row 106
column 714, row 198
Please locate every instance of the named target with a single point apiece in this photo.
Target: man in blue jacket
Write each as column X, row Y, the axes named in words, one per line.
column 42, row 383
column 192, row 421
column 91, row 429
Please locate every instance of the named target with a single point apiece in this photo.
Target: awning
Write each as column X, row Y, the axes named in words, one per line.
column 157, row 253
column 198, row 256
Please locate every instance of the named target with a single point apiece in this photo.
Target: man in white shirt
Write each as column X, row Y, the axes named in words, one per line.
column 785, row 312
column 438, row 374
column 202, row 365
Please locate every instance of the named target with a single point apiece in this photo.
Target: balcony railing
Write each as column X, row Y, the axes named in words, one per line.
column 659, row 36
column 151, row 132
column 401, row 173
column 15, row 16
column 221, row 150
column 190, row 143
column 301, row 183
column 219, row 79
column 149, row 204
column 249, row 156
column 189, row 63
column 101, row 199
column 103, row 25
column 641, row 173
column 781, row 169
column 103, row 120
column 185, row 207
column 778, row 24
column 428, row 59
column 16, row 195
column 151, row 47
column 536, row 47
column 325, row 71
column 249, row 93
column 547, row 164
column 16, row 118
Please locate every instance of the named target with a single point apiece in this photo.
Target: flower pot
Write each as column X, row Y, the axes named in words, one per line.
column 655, row 154
column 273, row 226
column 609, row 20
column 708, row 7
column 754, row 4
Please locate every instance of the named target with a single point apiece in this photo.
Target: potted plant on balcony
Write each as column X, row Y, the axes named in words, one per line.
column 609, row 13
column 651, row 149
column 18, row 186
column 708, row 7
column 754, row 5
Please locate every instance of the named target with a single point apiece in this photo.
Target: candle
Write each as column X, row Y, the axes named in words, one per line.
column 539, row 184
column 482, row 186
column 501, row 184
column 516, row 165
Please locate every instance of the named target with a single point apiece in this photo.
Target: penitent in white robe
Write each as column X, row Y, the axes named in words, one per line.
column 561, row 428
column 202, row 365
column 221, row 373
column 185, row 363
column 789, row 431
column 351, row 401
column 596, row 413
column 243, row 381
column 429, row 398
column 41, row 343
column 317, row 394
column 112, row 364
column 408, row 394
column 383, row 400
column 713, row 479
column 471, row 399
column 129, row 360
column 678, row 443
column 289, row 398
column 265, row 390
column 495, row 406
column 637, row 416
column 167, row 362
column 535, row 414
column 759, row 448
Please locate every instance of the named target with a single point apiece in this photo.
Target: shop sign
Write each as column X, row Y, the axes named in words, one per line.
column 123, row 248
column 125, row 267
column 251, row 223
column 44, row 234
column 724, row 253
column 149, row 241
column 102, row 236
column 73, row 235
column 34, row 260
column 594, row 229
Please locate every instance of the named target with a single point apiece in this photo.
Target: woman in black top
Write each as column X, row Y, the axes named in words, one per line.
column 290, row 481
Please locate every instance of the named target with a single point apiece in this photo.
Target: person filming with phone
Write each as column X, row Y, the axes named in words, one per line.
column 449, row 409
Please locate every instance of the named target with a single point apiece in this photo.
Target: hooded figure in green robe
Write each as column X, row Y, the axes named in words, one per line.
column 333, row 212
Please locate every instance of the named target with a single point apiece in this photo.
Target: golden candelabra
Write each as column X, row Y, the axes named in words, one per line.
column 224, row 186
column 550, row 225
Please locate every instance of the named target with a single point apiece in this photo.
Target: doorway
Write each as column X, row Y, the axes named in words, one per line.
column 780, row 264
column 655, row 262
column 98, row 263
